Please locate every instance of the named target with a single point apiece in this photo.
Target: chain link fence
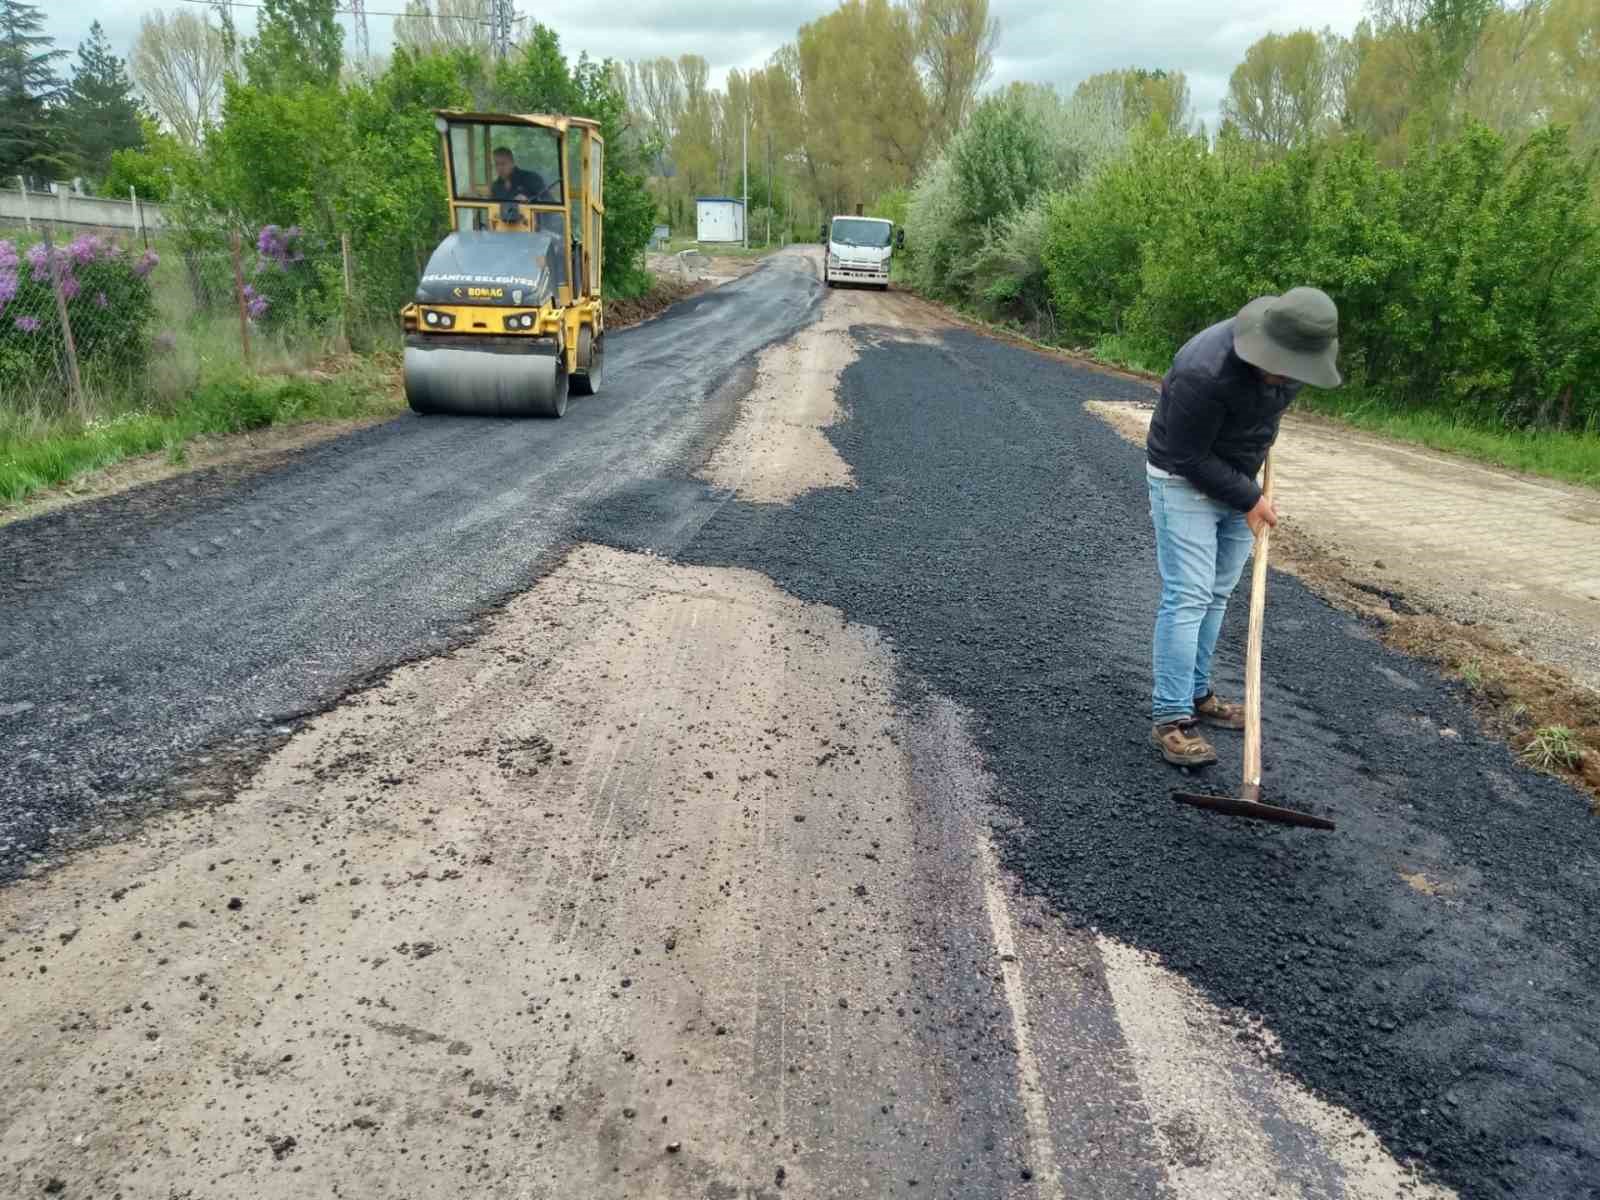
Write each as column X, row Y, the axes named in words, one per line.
column 95, row 321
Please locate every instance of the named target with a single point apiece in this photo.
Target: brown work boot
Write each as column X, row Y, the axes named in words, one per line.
column 1224, row 714
column 1181, row 744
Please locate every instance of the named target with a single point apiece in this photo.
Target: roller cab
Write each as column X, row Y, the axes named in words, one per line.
column 507, row 319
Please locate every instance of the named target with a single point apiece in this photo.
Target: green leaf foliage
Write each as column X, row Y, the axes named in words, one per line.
column 1468, row 279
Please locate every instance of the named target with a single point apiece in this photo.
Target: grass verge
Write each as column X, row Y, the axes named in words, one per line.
column 1567, row 456
column 42, row 448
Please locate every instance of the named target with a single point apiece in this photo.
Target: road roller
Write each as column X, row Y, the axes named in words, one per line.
column 507, row 318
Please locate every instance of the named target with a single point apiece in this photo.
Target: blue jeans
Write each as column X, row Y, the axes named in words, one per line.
column 1201, row 549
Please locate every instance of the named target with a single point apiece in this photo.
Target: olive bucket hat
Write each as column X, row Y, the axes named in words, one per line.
column 1295, row 334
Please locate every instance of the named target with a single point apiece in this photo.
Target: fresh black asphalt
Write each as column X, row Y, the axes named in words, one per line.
column 146, row 628
column 999, row 536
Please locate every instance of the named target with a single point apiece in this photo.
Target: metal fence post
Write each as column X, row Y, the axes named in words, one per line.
column 74, row 380
column 238, row 292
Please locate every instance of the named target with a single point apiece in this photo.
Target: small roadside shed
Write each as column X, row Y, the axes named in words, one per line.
column 718, row 219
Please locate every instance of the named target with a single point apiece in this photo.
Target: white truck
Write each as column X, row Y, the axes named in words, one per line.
column 859, row 249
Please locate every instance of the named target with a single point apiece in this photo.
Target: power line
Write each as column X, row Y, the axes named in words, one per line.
column 362, row 10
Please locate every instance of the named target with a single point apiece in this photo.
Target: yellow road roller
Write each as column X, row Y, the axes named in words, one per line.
column 507, row 319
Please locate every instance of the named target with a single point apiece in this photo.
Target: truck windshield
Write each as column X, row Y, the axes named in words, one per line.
column 848, row 231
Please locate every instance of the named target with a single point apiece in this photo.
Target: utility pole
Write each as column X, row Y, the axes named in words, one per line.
column 358, row 14
column 501, row 15
column 769, row 189
column 745, row 222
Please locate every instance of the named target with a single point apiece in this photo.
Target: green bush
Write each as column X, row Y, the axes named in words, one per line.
column 1468, row 280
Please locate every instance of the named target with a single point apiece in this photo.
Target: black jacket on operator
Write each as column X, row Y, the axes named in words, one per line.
column 1216, row 419
column 522, row 182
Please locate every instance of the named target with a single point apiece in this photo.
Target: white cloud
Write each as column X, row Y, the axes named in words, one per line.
column 1048, row 41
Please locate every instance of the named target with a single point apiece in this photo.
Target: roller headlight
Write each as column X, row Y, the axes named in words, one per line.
column 432, row 318
column 527, row 320
column 446, row 320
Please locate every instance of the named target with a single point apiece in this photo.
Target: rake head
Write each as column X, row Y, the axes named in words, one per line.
column 1253, row 810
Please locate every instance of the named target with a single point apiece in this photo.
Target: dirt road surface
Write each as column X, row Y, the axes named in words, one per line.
column 738, row 789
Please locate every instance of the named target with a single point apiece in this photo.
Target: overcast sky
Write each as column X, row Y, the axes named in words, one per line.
column 1046, row 41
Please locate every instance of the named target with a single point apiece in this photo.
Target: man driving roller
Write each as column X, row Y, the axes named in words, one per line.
column 512, row 182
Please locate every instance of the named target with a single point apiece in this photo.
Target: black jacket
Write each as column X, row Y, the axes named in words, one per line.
column 522, row 182
column 1216, row 419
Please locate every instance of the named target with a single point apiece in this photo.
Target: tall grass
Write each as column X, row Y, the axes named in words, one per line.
column 42, row 445
column 1573, row 457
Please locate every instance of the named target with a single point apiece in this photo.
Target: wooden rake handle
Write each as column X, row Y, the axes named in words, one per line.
column 1252, row 660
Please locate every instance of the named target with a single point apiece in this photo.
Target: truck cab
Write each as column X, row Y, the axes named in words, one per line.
column 859, row 250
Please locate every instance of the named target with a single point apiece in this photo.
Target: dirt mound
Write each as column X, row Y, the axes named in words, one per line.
column 663, row 294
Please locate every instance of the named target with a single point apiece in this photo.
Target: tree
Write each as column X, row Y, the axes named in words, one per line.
column 101, row 114
column 955, row 41
column 435, row 26
column 1416, row 70
column 155, row 168
column 1568, row 51
column 1282, row 93
column 536, row 79
column 179, row 63
column 1141, row 98
column 655, row 95
column 863, row 108
column 297, row 42
column 28, row 86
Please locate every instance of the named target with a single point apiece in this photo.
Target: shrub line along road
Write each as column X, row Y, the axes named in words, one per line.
column 730, row 836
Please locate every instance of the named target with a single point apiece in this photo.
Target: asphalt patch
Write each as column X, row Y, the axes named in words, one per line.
column 151, row 637
column 1000, row 536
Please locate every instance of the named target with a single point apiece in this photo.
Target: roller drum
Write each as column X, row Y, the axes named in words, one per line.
column 443, row 379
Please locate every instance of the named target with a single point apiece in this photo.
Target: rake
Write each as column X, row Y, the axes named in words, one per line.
column 1250, row 804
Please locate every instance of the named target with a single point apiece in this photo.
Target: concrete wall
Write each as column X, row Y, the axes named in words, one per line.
column 63, row 208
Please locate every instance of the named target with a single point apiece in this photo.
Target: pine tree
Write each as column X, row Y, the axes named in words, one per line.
column 101, row 115
column 28, row 86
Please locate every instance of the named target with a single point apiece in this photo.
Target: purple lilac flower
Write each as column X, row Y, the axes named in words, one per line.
column 39, row 260
column 8, row 283
column 276, row 247
column 147, row 263
column 27, row 324
column 85, row 248
column 166, row 342
column 255, row 304
column 8, row 255
column 70, row 287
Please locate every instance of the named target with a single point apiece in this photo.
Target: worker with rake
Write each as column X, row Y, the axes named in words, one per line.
column 1221, row 403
